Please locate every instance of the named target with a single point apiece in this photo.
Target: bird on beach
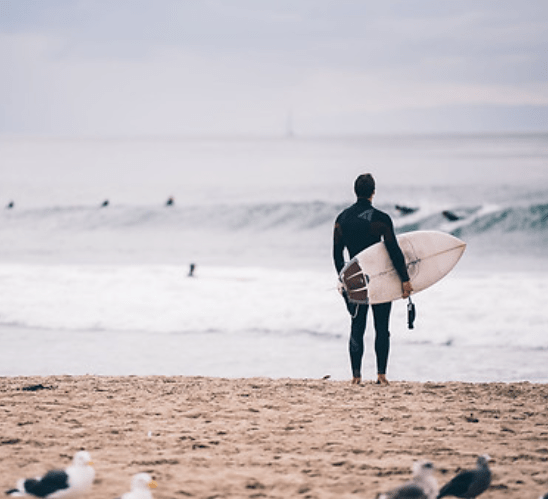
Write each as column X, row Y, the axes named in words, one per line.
column 69, row 483
column 141, row 483
column 469, row 484
column 423, row 485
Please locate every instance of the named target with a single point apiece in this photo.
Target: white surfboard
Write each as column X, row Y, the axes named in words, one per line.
column 371, row 278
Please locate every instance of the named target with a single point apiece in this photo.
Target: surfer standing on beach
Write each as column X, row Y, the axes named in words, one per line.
column 356, row 228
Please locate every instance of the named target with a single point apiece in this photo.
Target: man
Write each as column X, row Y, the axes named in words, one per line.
column 356, row 228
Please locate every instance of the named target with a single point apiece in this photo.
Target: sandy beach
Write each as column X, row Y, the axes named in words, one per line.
column 264, row 438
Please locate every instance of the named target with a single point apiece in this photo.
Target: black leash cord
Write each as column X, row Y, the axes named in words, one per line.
column 411, row 314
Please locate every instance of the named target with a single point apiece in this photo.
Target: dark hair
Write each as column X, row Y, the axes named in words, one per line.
column 364, row 186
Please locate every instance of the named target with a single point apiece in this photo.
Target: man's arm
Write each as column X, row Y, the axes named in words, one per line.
column 338, row 248
column 396, row 255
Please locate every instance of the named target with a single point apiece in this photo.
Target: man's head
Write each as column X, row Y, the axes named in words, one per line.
column 364, row 186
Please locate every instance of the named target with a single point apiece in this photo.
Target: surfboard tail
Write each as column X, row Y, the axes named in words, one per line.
column 354, row 282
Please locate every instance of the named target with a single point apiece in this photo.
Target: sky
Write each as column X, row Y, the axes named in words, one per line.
column 272, row 67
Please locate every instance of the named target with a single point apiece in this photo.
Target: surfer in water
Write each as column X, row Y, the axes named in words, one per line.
column 356, row 228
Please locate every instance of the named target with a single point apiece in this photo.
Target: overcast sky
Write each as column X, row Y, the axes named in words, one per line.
column 194, row 67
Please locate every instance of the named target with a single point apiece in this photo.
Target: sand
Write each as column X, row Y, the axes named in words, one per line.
column 263, row 438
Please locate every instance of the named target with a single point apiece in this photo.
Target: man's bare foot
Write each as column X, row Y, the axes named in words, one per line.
column 381, row 380
column 356, row 380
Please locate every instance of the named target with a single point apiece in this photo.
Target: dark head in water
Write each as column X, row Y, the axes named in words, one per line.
column 405, row 210
column 450, row 216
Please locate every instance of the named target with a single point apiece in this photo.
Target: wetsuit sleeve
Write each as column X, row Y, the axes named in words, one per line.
column 338, row 247
column 394, row 250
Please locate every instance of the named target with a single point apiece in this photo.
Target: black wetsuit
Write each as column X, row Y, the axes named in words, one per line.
column 356, row 228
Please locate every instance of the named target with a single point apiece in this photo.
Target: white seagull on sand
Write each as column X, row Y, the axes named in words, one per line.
column 469, row 484
column 423, row 485
column 69, row 483
column 141, row 483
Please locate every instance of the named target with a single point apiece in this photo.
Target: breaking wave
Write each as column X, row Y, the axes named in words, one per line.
column 462, row 221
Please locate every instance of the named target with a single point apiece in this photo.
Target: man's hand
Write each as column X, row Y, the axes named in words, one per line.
column 407, row 289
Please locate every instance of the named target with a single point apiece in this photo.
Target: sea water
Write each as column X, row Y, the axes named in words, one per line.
column 107, row 290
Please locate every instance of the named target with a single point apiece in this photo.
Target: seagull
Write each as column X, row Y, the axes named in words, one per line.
column 71, row 482
column 469, row 484
column 423, row 485
column 140, row 485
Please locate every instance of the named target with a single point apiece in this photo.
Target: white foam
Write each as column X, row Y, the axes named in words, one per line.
column 226, row 321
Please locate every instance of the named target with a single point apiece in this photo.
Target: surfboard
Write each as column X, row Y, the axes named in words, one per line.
column 370, row 277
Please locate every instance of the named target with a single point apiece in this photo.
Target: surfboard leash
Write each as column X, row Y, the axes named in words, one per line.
column 411, row 314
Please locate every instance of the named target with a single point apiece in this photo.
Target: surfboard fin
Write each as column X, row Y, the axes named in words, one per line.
column 411, row 314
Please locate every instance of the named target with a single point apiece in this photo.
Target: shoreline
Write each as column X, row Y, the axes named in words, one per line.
column 208, row 437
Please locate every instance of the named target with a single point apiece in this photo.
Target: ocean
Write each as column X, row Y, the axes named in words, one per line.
column 93, row 289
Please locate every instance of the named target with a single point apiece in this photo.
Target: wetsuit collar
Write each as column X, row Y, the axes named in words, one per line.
column 364, row 202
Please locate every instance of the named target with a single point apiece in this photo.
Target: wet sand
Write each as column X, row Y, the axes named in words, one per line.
column 263, row 438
